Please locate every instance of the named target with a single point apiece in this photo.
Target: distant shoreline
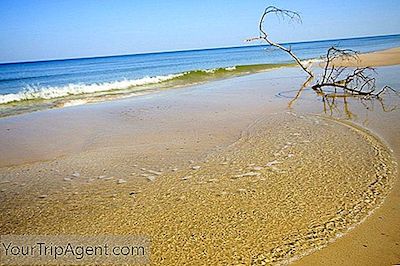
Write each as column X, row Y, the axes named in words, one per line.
column 387, row 57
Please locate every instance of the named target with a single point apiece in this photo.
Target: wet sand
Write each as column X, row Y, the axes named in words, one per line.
column 218, row 173
column 375, row 241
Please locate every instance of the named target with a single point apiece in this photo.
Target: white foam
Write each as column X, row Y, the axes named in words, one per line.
column 230, row 68
column 33, row 92
column 74, row 103
column 46, row 93
column 213, row 70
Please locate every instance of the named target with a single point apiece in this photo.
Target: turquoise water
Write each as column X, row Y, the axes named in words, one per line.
column 49, row 81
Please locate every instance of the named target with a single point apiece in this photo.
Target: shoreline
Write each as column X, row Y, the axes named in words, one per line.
column 211, row 127
column 56, row 98
column 16, row 104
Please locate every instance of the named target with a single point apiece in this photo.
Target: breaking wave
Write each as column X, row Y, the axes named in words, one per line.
column 46, row 93
column 33, row 98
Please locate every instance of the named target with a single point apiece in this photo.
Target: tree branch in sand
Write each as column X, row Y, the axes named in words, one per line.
column 354, row 81
column 283, row 13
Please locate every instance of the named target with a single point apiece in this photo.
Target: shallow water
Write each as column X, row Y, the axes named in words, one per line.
column 278, row 192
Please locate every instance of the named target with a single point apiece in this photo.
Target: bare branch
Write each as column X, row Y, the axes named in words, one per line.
column 358, row 81
column 354, row 81
column 284, row 14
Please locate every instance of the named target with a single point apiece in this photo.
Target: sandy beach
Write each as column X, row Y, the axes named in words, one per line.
column 381, row 58
column 221, row 173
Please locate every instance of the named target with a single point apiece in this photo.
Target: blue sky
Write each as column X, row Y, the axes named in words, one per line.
column 50, row 29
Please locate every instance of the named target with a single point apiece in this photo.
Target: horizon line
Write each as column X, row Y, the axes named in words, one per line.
column 188, row 50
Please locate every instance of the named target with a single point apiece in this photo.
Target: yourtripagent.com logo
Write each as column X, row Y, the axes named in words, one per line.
column 74, row 250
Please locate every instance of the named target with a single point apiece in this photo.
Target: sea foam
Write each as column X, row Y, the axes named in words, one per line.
column 120, row 87
column 46, row 93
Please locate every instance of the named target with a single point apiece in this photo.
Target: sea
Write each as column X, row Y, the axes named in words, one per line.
column 32, row 86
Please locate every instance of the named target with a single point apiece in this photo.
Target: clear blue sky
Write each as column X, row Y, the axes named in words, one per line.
column 49, row 29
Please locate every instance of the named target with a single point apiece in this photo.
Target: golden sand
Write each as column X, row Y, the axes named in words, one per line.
column 277, row 193
column 381, row 58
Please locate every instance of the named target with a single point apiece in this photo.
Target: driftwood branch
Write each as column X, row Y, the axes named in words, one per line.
column 358, row 81
column 283, row 13
column 355, row 81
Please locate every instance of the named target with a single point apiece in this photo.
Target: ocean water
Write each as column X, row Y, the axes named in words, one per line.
column 46, row 84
